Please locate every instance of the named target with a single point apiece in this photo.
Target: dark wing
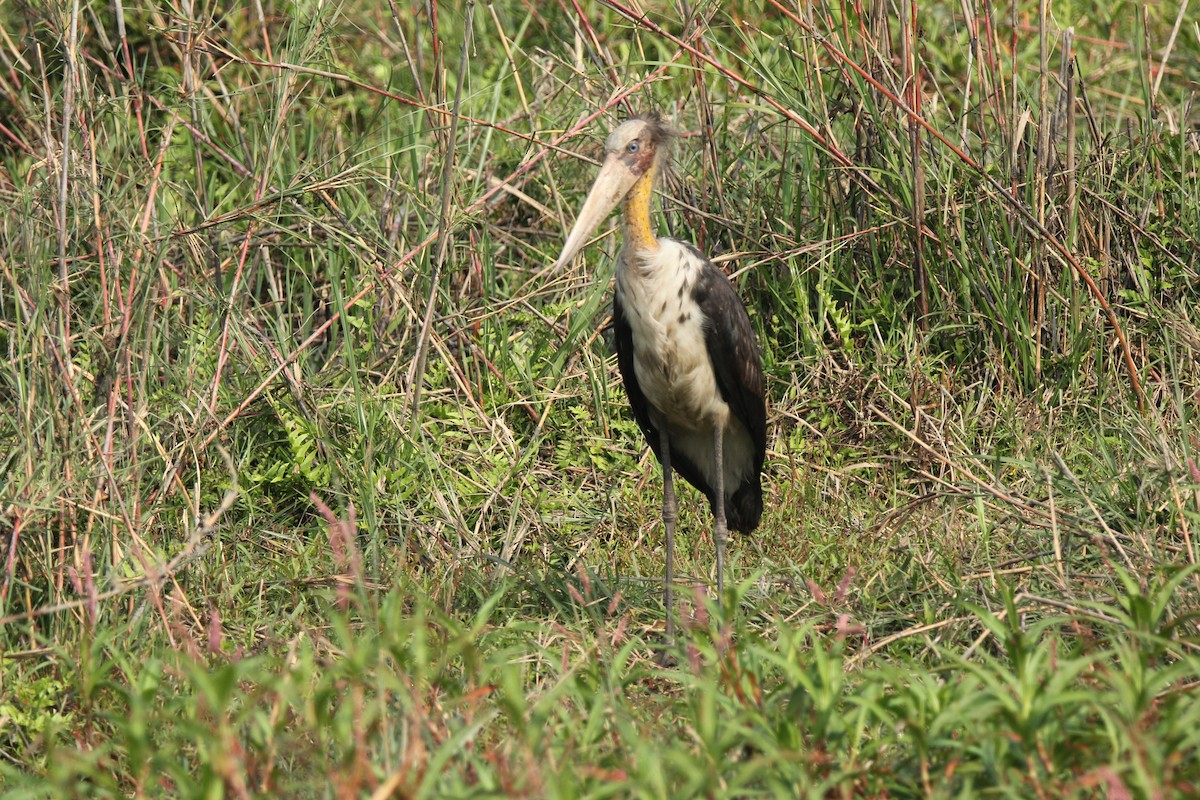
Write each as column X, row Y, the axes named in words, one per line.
column 734, row 354
column 737, row 365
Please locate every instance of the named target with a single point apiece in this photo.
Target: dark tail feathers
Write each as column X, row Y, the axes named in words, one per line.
column 743, row 509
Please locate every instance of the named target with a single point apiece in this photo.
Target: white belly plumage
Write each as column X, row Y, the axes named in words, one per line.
column 670, row 356
column 678, row 380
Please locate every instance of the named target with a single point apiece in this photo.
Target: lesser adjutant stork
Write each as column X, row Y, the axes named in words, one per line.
column 685, row 348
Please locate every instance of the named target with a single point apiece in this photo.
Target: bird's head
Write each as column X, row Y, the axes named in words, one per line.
column 634, row 154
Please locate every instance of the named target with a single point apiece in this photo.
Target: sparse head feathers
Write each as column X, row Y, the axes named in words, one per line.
column 647, row 133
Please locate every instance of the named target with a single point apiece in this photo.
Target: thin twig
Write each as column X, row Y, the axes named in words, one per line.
column 416, row 375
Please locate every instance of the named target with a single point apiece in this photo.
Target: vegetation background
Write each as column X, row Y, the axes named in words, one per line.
column 317, row 483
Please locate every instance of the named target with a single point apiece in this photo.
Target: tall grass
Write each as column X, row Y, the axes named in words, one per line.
column 316, row 481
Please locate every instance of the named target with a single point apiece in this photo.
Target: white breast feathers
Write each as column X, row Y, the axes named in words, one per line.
column 670, row 356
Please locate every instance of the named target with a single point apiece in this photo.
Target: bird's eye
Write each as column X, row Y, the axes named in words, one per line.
column 633, row 147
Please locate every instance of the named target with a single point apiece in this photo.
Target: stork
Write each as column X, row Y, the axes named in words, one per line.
column 685, row 348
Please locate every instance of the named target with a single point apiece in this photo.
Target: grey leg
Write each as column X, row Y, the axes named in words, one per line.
column 669, row 513
column 720, row 529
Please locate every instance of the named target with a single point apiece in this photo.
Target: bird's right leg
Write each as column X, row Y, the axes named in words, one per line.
column 669, row 513
column 720, row 528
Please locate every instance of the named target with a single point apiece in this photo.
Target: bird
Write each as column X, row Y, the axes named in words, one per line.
column 686, row 349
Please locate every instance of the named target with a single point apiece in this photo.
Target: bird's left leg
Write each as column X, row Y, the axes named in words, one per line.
column 720, row 529
column 669, row 514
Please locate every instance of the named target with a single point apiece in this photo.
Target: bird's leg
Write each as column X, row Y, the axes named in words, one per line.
column 669, row 513
column 720, row 529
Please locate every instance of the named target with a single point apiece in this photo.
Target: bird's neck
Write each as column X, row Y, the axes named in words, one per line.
column 639, row 235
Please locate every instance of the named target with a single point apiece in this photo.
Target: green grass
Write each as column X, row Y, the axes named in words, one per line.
column 316, row 482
